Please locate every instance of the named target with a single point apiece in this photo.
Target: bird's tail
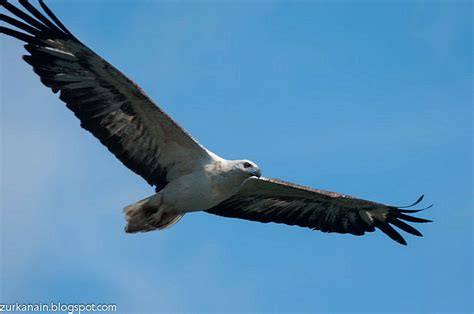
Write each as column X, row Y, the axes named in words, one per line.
column 142, row 218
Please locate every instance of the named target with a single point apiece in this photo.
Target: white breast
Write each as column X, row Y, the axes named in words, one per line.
column 200, row 190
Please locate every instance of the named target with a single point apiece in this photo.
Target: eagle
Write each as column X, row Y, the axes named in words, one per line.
column 186, row 176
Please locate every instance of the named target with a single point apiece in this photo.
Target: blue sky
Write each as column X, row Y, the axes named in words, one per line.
column 371, row 99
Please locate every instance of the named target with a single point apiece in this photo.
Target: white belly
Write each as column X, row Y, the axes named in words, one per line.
column 197, row 191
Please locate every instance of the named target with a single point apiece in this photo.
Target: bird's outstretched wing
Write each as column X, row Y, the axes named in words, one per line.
column 271, row 200
column 109, row 105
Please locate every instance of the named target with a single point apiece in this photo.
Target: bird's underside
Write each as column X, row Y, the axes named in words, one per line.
column 186, row 176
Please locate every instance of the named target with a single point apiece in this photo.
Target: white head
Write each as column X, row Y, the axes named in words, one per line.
column 246, row 167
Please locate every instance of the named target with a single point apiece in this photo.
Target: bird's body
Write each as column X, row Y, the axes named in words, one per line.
column 198, row 190
column 187, row 177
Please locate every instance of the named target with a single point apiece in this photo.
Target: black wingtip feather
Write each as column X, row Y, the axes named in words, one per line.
column 38, row 23
column 18, row 35
column 412, row 218
column 30, row 8
column 388, row 230
column 414, row 210
column 23, row 16
column 413, row 204
column 28, row 59
column 397, row 215
column 405, row 227
column 23, row 26
column 54, row 18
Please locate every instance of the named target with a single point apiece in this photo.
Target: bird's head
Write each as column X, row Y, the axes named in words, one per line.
column 248, row 167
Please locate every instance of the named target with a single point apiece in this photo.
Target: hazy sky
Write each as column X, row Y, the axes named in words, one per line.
column 369, row 99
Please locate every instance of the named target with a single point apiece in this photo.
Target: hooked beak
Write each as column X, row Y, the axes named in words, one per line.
column 258, row 173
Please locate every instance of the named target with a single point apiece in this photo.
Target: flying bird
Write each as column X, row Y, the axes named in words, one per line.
column 187, row 177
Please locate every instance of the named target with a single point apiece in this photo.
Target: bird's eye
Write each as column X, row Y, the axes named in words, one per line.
column 247, row 165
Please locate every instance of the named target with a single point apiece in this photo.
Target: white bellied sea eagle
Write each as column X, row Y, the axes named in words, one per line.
column 187, row 177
